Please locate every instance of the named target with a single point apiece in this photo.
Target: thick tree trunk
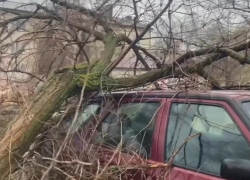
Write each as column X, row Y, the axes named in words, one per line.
column 25, row 128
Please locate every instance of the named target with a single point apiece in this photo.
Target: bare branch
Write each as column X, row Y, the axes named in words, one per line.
column 85, row 11
column 202, row 52
column 233, row 54
column 125, row 38
column 140, row 58
column 117, row 61
column 23, row 72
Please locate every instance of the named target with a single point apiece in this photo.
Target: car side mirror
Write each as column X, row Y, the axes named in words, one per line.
column 235, row 169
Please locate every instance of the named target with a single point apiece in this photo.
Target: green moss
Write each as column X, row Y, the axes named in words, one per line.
column 81, row 66
column 92, row 74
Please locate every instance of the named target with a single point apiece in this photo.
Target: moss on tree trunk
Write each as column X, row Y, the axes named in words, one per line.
column 24, row 129
column 26, row 126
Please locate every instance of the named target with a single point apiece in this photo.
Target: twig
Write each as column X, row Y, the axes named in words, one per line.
column 68, row 162
column 68, row 133
column 117, row 61
column 23, row 72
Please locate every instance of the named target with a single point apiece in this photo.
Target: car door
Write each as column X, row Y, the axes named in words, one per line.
column 200, row 134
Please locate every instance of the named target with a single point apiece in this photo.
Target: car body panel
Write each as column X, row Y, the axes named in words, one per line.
column 177, row 173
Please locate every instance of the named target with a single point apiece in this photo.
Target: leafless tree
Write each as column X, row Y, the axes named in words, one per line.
column 68, row 46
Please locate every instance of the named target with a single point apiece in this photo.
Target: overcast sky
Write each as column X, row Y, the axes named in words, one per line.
column 202, row 12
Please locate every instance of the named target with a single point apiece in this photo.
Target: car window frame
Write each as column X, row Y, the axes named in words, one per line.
column 242, row 106
column 236, row 103
column 162, row 141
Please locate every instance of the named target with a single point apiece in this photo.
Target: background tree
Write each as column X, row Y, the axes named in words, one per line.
column 65, row 34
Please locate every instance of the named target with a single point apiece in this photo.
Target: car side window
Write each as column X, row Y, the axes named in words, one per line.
column 85, row 115
column 218, row 137
column 133, row 123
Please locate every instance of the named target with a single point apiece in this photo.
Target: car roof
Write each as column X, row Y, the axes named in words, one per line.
column 207, row 94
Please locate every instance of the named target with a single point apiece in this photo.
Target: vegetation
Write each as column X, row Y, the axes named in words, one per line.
column 66, row 22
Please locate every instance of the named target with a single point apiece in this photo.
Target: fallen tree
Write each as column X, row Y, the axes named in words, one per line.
column 92, row 77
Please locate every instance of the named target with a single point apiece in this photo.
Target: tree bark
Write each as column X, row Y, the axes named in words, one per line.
column 26, row 126
column 24, row 129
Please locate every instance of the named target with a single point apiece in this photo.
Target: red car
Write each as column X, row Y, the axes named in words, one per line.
column 206, row 135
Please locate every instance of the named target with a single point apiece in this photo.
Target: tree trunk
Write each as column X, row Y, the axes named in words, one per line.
column 24, row 129
column 26, row 126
